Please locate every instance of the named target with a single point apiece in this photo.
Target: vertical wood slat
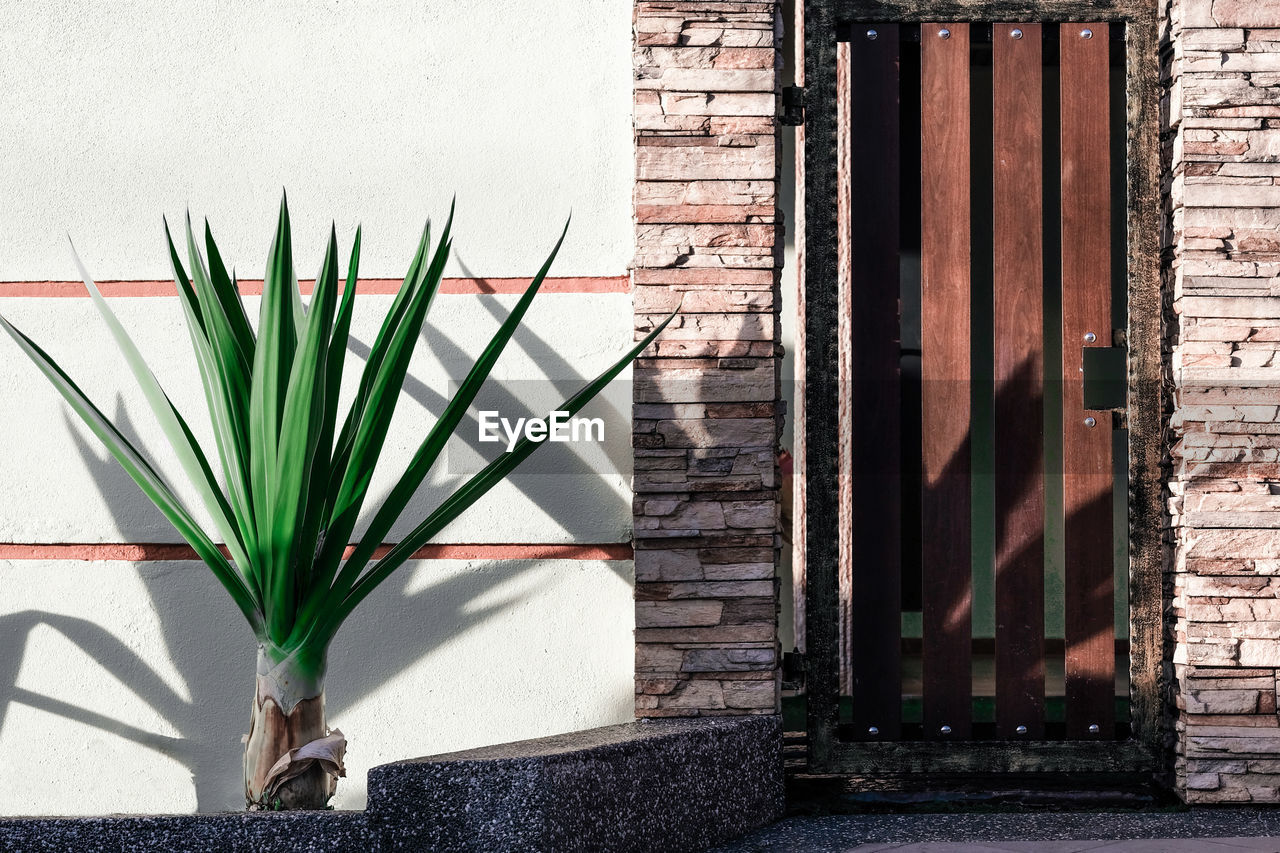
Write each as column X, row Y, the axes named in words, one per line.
column 875, row 529
column 945, row 312
column 1086, row 452
column 1019, row 379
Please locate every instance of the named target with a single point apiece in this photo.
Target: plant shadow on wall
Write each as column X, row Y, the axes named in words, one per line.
column 293, row 588
column 209, row 715
column 548, row 493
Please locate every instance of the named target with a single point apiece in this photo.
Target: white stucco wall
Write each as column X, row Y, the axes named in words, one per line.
column 375, row 111
column 126, row 687
column 122, row 681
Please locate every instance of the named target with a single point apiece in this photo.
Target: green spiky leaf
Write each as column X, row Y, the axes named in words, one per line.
column 291, row 490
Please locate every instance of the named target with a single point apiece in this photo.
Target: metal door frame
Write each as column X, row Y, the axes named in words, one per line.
column 1146, row 749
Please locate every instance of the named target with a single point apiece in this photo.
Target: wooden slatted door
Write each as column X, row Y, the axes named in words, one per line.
column 978, row 259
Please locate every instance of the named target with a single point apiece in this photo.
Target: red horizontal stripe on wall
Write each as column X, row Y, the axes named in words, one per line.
column 68, row 289
column 153, row 552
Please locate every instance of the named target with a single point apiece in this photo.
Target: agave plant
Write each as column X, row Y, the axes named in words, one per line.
column 294, row 480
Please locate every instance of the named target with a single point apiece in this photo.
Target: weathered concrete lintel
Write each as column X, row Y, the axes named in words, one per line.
column 652, row 785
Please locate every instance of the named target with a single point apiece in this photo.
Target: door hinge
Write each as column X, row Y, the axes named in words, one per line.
column 793, row 105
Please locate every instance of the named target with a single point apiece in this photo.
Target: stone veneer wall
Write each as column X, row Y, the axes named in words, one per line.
column 707, row 414
column 1223, row 150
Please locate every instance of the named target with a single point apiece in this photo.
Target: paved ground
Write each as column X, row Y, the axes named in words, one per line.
column 1197, row 831
column 1150, row 845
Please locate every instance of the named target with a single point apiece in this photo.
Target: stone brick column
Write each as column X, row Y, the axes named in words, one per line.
column 1223, row 143
column 707, row 414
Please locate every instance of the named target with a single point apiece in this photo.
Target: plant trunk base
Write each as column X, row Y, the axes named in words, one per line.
column 272, row 734
column 291, row 760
